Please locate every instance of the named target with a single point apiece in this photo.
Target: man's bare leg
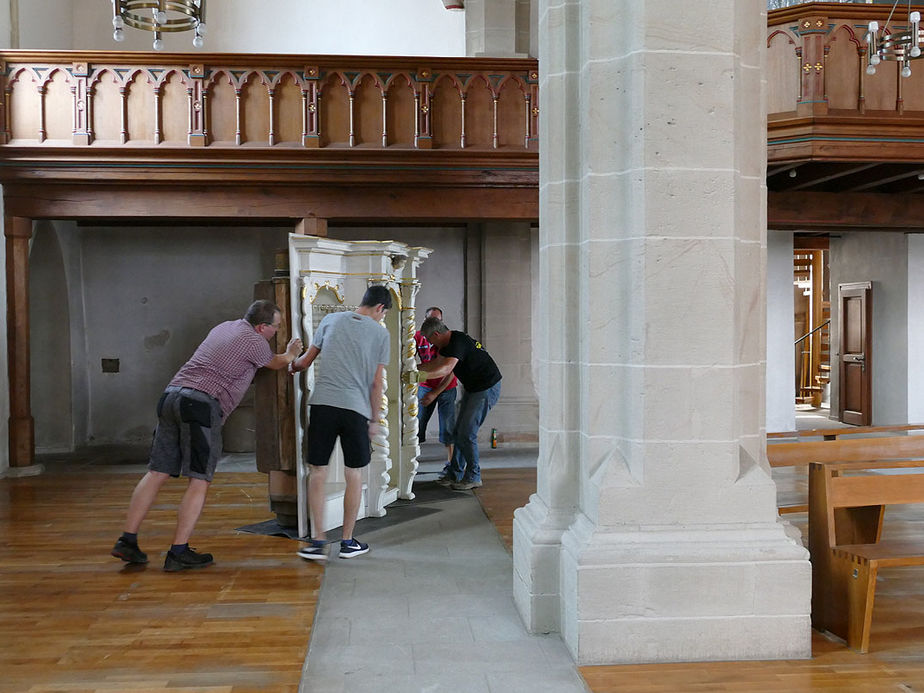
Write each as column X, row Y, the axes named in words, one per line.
column 142, row 499
column 351, row 499
column 316, row 499
column 190, row 509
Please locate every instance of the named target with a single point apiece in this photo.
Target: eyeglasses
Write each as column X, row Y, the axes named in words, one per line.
column 274, row 325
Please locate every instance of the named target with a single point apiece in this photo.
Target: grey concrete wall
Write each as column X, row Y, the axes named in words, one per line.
column 50, row 330
column 781, row 388
column 915, row 328
column 482, row 277
column 147, row 297
column 509, row 269
column 883, row 259
column 441, row 276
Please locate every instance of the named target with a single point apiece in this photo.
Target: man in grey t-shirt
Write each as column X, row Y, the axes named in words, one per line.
column 345, row 403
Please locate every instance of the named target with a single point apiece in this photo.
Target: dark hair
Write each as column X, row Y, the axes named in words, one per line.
column 261, row 311
column 433, row 308
column 431, row 326
column 375, row 295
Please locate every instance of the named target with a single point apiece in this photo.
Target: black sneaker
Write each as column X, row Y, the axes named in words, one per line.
column 188, row 559
column 130, row 553
column 353, row 548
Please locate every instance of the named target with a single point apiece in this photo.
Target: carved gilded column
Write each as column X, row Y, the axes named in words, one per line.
column 196, row 94
column 18, row 232
column 532, row 110
column 311, row 136
column 423, row 133
column 410, row 444
column 813, row 31
column 80, row 73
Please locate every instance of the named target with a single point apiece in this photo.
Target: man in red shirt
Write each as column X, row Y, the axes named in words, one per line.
column 190, row 414
column 436, row 393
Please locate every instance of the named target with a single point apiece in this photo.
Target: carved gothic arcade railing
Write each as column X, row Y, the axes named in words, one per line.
column 821, row 103
column 147, row 100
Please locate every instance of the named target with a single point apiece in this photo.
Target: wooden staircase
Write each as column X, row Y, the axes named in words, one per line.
column 813, row 348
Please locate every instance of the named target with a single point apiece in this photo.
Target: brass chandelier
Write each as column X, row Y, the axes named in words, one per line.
column 901, row 46
column 159, row 16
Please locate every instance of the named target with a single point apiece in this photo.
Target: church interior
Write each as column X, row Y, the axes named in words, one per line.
column 688, row 234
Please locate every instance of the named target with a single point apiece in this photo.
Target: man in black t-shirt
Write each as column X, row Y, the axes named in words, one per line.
column 480, row 377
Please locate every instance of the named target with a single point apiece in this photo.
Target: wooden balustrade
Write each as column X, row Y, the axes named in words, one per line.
column 149, row 100
column 821, row 104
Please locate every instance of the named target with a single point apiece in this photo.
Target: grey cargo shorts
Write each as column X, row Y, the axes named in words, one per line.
column 187, row 441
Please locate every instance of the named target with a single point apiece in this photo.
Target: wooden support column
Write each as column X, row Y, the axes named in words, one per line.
column 312, row 226
column 18, row 231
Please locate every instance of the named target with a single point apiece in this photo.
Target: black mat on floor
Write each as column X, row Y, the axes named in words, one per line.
column 270, row 528
column 425, row 492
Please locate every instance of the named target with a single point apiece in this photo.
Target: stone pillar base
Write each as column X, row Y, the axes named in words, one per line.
column 672, row 594
column 536, row 556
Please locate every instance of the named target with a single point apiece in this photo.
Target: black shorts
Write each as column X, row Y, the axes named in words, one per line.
column 326, row 424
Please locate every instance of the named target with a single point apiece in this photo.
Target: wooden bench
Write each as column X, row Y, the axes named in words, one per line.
column 845, row 448
column 837, row 433
column 846, row 507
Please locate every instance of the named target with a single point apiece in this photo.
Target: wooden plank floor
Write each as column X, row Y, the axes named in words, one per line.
column 72, row 618
column 896, row 658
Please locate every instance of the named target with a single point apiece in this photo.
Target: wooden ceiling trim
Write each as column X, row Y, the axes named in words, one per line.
column 282, row 203
column 823, row 210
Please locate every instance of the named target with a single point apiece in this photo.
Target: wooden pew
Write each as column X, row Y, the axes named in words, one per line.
column 845, row 449
column 846, row 509
column 837, row 433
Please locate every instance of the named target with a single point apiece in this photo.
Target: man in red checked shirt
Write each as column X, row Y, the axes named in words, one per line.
column 436, row 393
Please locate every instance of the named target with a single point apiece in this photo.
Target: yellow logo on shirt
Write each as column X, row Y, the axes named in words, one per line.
column 478, row 345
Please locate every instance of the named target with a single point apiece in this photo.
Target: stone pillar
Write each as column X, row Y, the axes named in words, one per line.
column 653, row 534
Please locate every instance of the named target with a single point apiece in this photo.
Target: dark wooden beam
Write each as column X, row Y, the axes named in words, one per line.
column 821, row 210
column 282, row 203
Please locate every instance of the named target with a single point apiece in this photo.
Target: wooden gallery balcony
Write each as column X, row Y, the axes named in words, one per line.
column 844, row 147
column 327, row 136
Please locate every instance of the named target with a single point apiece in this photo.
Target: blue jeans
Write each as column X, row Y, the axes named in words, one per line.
column 446, row 403
column 473, row 409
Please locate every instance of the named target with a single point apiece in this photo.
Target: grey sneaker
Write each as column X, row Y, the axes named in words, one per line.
column 444, row 481
column 465, row 485
column 313, row 551
column 187, row 559
column 130, row 553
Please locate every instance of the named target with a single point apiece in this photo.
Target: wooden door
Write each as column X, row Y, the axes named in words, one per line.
column 855, row 371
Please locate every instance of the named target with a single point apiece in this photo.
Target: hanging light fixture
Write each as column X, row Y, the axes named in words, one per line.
column 159, row 16
column 901, row 46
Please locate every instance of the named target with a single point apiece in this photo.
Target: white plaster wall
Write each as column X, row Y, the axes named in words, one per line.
column 148, row 296
column 51, row 23
column 781, row 387
column 883, row 259
column 915, row 328
column 341, row 27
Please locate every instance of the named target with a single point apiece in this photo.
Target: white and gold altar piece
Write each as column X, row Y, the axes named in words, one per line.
column 328, row 276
